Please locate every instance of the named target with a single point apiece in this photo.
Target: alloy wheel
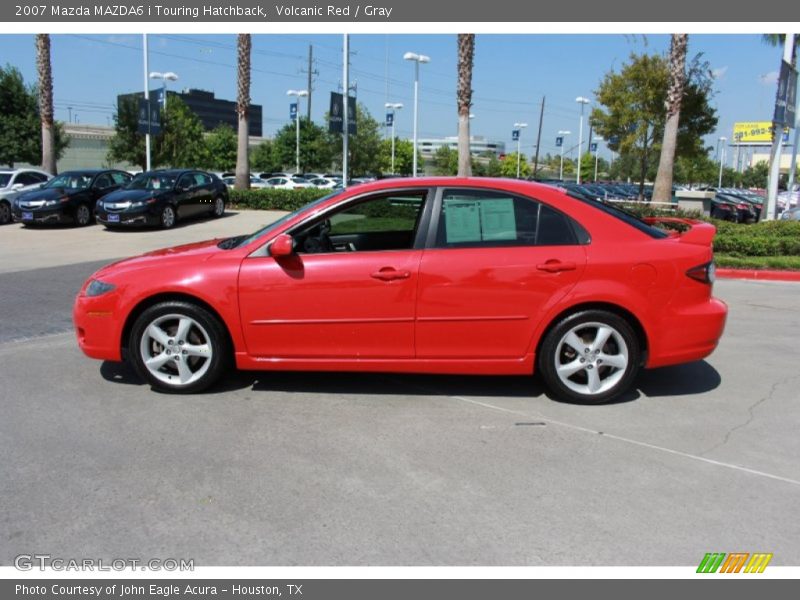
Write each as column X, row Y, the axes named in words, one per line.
column 176, row 349
column 591, row 358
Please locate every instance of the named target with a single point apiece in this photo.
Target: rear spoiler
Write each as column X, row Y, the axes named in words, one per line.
column 690, row 231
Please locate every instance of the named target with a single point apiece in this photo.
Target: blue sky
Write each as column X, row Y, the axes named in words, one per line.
column 512, row 73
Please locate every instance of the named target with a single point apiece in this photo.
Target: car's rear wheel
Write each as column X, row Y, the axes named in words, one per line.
column 5, row 213
column 83, row 216
column 219, row 206
column 590, row 357
column 179, row 347
column 167, row 217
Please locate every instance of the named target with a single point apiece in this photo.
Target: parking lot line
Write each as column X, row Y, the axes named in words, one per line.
column 626, row 440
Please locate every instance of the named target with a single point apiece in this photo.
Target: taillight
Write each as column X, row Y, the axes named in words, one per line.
column 705, row 273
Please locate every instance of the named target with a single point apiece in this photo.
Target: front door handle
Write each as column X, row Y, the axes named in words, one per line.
column 556, row 266
column 390, row 274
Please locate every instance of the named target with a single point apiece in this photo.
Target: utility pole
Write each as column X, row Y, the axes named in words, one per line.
column 346, row 111
column 311, row 71
column 538, row 140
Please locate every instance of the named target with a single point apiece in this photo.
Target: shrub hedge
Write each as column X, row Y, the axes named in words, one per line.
column 768, row 239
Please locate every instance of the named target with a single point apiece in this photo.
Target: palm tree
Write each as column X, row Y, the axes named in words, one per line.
column 662, row 190
column 466, row 53
column 244, row 44
column 46, row 102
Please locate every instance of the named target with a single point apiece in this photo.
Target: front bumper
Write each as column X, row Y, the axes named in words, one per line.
column 54, row 214
column 98, row 331
column 132, row 217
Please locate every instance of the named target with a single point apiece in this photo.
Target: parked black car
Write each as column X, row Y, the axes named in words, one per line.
column 69, row 197
column 161, row 197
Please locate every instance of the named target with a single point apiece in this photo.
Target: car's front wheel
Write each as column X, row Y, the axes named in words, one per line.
column 167, row 217
column 179, row 347
column 590, row 357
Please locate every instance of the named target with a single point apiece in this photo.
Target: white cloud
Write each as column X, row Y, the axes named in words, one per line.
column 770, row 78
column 719, row 73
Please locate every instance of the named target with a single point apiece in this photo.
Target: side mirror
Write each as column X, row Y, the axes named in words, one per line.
column 282, row 246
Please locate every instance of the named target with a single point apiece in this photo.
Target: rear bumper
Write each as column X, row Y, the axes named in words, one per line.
column 688, row 334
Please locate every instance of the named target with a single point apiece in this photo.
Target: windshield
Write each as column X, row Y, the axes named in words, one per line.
column 4, row 179
column 244, row 240
column 152, row 181
column 74, row 181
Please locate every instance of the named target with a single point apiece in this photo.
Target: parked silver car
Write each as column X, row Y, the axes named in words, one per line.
column 14, row 182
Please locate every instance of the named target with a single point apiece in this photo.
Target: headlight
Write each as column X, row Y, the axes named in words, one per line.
column 97, row 287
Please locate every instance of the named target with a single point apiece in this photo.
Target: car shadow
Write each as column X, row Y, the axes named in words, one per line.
column 682, row 380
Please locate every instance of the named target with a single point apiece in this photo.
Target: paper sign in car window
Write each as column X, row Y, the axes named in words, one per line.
column 497, row 220
column 462, row 221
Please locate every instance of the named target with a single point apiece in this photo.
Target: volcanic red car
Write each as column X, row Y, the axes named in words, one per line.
column 429, row 275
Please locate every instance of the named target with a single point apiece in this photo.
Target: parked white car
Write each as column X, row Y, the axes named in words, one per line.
column 255, row 182
column 325, row 183
column 284, row 183
column 14, row 182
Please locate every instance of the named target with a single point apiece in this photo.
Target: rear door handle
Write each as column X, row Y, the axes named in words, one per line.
column 390, row 274
column 555, row 266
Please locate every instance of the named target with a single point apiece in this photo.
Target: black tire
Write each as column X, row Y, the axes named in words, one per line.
column 83, row 215
column 168, row 217
column 205, row 329
column 621, row 346
column 5, row 213
column 218, row 208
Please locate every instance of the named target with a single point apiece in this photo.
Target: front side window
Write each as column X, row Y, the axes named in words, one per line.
column 388, row 222
column 478, row 218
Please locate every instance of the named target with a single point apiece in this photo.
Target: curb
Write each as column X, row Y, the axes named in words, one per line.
column 758, row 274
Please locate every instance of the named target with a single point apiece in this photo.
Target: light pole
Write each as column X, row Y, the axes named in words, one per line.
column 519, row 127
column 561, row 169
column 596, row 153
column 583, row 102
column 298, row 94
column 393, row 106
column 417, row 58
column 164, row 77
column 722, row 141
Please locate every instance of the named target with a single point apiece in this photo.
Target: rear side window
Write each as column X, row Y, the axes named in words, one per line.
column 622, row 215
column 477, row 218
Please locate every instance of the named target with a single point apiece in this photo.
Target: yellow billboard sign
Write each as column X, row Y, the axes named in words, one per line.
column 752, row 132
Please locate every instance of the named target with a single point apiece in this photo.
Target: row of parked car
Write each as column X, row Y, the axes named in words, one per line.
column 115, row 198
column 291, row 181
column 728, row 204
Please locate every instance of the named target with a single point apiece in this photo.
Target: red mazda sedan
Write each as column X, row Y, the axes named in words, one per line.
column 430, row 275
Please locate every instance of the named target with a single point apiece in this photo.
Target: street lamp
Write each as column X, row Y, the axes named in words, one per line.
column 583, row 102
column 722, row 141
column 519, row 127
column 563, row 145
column 417, row 58
column 164, row 77
column 596, row 154
column 393, row 106
column 298, row 94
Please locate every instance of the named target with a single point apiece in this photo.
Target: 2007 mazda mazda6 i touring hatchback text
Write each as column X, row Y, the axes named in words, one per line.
column 432, row 275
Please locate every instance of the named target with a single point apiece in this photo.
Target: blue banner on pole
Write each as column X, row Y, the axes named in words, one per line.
column 593, row 147
column 515, row 135
column 293, row 111
column 389, row 119
column 559, row 142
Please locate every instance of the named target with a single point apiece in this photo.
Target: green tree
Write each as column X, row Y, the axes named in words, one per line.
column 221, row 148
column 587, row 167
column 180, row 143
column 508, row 166
column 264, row 160
column 403, row 157
column 633, row 112
column 127, row 145
column 363, row 148
column 316, row 150
column 20, row 126
column 445, row 161
column 695, row 169
column 756, row 176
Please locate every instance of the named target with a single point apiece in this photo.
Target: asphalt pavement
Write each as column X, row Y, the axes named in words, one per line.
column 354, row 469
